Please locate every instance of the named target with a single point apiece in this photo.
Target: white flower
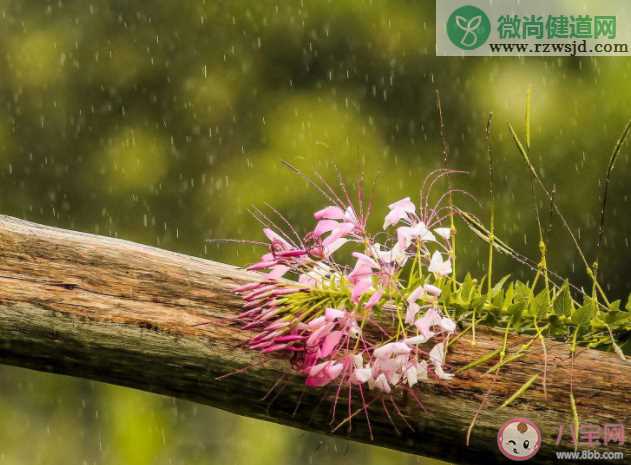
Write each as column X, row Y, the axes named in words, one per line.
column 381, row 383
column 416, row 294
column 436, row 356
column 438, row 265
column 421, row 370
column 438, row 369
column 411, row 376
column 416, row 340
column 362, row 375
column 394, row 255
column 410, row 314
column 445, row 233
column 448, row 324
column 406, row 234
column 432, row 290
column 392, row 348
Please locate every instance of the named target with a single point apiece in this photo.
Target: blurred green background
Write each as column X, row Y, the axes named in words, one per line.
column 162, row 122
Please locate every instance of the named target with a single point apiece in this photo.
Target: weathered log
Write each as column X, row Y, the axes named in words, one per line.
column 133, row 315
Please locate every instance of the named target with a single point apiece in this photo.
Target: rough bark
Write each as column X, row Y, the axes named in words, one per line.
column 128, row 314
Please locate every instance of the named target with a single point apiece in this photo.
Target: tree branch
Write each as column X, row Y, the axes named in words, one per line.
column 128, row 314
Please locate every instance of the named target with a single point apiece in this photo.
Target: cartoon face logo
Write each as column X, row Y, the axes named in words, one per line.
column 519, row 439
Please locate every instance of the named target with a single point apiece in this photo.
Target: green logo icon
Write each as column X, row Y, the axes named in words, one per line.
column 468, row 27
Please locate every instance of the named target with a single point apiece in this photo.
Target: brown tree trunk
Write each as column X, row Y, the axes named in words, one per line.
column 128, row 314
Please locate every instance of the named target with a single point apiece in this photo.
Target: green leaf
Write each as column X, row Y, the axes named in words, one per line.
column 522, row 292
column 583, row 315
column 499, row 285
column 516, row 310
column 541, row 304
column 563, row 303
column 508, row 296
column 617, row 320
column 446, row 293
column 614, row 306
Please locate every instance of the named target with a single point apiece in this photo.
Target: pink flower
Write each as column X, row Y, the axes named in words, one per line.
column 317, row 322
column 341, row 230
column 325, row 226
column 276, row 238
column 318, row 338
column 325, row 335
column 361, row 276
column 332, row 314
column 277, row 272
column 323, row 373
column 391, row 349
column 350, row 216
column 329, row 213
column 439, row 266
column 427, row 321
column 319, row 334
column 330, row 343
column 374, row 299
column 366, row 260
column 398, row 211
column 281, row 258
column 340, row 226
column 332, row 247
column 420, row 291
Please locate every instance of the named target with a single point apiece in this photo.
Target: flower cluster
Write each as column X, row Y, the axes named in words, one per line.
column 376, row 325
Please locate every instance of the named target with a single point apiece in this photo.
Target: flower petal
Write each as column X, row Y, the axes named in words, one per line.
column 374, row 299
column 332, row 314
column 275, row 237
column 329, row 213
column 363, row 374
column 404, row 204
column 438, row 265
column 410, row 314
column 445, row 233
column 324, row 226
column 448, row 324
column 415, row 294
column 416, row 340
column 427, row 321
column 433, row 290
